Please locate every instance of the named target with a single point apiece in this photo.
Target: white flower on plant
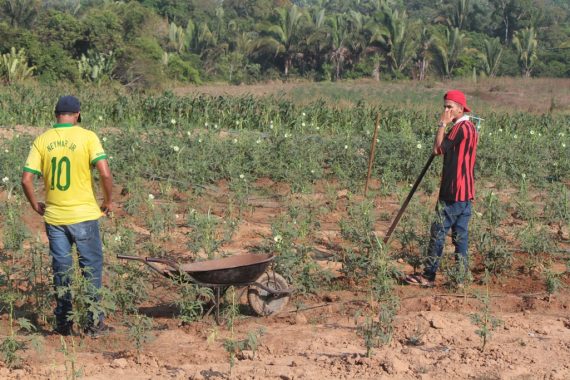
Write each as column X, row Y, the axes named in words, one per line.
column 515, row 136
column 235, row 141
column 271, row 126
column 278, row 238
column 118, row 238
column 318, row 128
column 500, row 129
column 258, row 141
column 539, row 134
column 215, row 126
column 150, row 197
column 561, row 134
column 189, row 133
column 346, row 147
column 531, row 132
column 303, row 124
column 100, row 118
column 563, row 145
column 419, row 146
column 6, row 151
column 523, row 175
column 237, row 122
column 490, row 134
column 286, row 135
column 104, row 139
column 479, row 214
column 377, row 141
column 199, row 140
column 176, row 216
column 110, row 157
column 176, row 149
column 5, row 179
column 241, row 176
column 312, row 171
column 206, row 124
column 172, row 121
column 304, row 114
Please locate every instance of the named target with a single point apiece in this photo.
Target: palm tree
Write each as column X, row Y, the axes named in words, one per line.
column 282, row 38
column 338, row 35
column 448, row 49
column 526, row 44
column 493, row 52
column 425, row 44
column 393, row 40
column 20, row 12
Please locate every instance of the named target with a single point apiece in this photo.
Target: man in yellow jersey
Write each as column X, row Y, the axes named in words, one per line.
column 65, row 156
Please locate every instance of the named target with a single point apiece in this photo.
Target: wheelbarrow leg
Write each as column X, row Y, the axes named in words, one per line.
column 218, row 291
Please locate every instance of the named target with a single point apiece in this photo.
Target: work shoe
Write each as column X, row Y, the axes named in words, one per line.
column 98, row 331
column 419, row 279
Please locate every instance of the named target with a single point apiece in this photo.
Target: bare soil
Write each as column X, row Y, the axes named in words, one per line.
column 316, row 336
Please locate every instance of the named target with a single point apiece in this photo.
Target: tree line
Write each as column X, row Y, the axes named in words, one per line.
column 147, row 42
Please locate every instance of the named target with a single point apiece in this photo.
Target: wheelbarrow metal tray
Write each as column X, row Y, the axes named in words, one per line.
column 234, row 270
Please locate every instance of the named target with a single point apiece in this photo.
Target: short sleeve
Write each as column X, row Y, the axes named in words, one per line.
column 34, row 161
column 96, row 151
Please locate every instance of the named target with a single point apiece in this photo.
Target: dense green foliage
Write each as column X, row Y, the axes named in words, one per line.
column 149, row 41
column 201, row 139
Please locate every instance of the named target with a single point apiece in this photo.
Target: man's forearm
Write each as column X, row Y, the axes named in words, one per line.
column 439, row 136
column 107, row 185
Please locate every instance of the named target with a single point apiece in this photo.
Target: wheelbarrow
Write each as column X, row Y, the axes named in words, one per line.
column 267, row 291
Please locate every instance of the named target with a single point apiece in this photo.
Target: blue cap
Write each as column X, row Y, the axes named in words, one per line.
column 68, row 104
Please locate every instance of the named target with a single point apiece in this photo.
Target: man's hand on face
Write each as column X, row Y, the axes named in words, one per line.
column 446, row 116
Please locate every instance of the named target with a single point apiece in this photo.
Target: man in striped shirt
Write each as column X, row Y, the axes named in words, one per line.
column 457, row 190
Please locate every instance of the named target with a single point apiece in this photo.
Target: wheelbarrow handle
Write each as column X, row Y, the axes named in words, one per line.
column 170, row 263
column 126, row 257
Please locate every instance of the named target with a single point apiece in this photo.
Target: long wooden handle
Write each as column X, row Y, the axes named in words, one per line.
column 407, row 201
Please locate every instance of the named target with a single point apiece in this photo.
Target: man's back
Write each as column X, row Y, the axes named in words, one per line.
column 64, row 156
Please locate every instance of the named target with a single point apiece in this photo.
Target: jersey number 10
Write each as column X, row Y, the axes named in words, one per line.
column 56, row 169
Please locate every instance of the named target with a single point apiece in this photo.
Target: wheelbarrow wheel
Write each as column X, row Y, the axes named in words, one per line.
column 263, row 302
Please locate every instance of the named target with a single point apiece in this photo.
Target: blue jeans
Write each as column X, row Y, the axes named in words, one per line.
column 454, row 216
column 86, row 237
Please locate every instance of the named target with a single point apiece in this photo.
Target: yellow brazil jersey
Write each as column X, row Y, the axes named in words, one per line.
column 64, row 156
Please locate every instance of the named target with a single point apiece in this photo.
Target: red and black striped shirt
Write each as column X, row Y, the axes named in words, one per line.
column 460, row 149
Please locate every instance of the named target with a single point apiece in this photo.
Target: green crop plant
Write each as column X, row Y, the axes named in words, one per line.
column 70, row 356
column 14, row 231
column 88, row 302
column 378, row 325
column 232, row 344
column 536, row 242
column 38, row 277
column 553, row 282
column 484, row 319
column 208, row 233
column 192, row 300
column 128, row 287
column 139, row 327
column 498, row 259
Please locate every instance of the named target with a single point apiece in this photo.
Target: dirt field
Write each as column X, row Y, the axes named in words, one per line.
column 316, row 336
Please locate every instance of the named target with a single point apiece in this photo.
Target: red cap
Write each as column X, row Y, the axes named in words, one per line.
column 457, row 97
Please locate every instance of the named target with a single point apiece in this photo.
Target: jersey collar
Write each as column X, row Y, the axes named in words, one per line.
column 461, row 119
column 63, row 125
